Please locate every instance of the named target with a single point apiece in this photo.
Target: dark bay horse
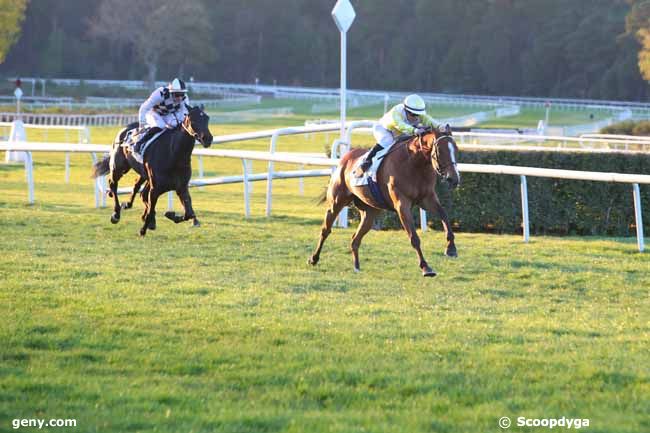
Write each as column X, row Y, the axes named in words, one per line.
column 166, row 167
column 406, row 177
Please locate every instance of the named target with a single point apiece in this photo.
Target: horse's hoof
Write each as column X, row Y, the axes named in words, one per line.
column 451, row 252
column 428, row 272
column 312, row 261
column 115, row 219
column 357, row 270
column 143, row 232
column 171, row 215
column 196, row 223
column 126, row 206
column 152, row 226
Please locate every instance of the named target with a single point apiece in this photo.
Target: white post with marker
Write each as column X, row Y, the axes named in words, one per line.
column 343, row 14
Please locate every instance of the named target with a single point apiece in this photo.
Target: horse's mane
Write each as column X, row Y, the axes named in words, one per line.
column 418, row 144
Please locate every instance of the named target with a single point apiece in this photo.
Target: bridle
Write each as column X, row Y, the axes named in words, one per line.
column 435, row 153
column 187, row 126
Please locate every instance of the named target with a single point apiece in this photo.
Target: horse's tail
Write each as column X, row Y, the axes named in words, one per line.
column 101, row 167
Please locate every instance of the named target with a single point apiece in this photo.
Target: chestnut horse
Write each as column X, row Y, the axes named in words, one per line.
column 407, row 177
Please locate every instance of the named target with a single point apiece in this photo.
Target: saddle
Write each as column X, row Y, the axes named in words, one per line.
column 371, row 173
column 142, row 139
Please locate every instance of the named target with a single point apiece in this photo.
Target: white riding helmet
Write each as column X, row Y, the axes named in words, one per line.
column 177, row 86
column 414, row 104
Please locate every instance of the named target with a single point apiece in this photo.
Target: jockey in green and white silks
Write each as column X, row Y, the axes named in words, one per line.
column 165, row 108
column 407, row 118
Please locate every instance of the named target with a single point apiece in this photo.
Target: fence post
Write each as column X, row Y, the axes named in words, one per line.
column 97, row 181
column 423, row 220
column 29, row 171
column 67, row 167
column 269, row 178
column 342, row 219
column 638, row 217
column 247, row 203
column 170, row 201
column 524, row 208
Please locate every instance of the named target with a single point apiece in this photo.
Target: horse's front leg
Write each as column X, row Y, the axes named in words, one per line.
column 403, row 208
column 432, row 204
column 150, row 213
column 184, row 195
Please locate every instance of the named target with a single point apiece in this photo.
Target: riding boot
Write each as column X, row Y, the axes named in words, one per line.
column 367, row 162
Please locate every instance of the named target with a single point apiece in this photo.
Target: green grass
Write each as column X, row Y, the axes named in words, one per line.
column 225, row 328
column 530, row 117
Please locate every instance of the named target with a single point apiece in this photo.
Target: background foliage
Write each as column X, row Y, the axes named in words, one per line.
column 12, row 13
column 572, row 48
column 492, row 203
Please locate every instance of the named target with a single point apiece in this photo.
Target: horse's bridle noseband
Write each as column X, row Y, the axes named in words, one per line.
column 435, row 154
column 188, row 128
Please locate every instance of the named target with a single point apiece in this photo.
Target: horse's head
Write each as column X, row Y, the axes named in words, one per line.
column 196, row 124
column 443, row 154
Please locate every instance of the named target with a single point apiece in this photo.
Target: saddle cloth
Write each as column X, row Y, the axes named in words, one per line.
column 130, row 139
column 371, row 173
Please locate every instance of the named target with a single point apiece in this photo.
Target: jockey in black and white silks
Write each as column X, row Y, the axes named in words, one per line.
column 164, row 109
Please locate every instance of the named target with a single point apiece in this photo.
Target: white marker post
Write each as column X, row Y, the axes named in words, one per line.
column 18, row 93
column 343, row 14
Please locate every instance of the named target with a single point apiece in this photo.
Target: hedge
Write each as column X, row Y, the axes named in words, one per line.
column 492, row 203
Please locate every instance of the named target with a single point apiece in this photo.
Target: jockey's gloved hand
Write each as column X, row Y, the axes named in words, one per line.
column 419, row 131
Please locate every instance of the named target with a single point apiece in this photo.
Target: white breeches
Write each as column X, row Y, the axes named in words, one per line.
column 167, row 121
column 383, row 136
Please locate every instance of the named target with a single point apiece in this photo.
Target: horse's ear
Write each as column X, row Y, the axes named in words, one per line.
column 202, row 107
column 447, row 129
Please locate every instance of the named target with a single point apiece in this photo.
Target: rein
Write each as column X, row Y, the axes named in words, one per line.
column 188, row 128
column 435, row 154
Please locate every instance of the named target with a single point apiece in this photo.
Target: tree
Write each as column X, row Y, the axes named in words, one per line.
column 160, row 31
column 12, row 14
column 637, row 22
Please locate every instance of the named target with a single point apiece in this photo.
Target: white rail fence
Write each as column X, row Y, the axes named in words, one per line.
column 301, row 159
column 70, row 119
column 588, row 141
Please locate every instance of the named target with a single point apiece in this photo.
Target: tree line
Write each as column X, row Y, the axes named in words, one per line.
column 548, row 48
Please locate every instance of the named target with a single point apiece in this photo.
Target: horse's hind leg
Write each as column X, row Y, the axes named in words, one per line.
column 368, row 215
column 338, row 202
column 406, row 218
column 136, row 189
column 120, row 168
